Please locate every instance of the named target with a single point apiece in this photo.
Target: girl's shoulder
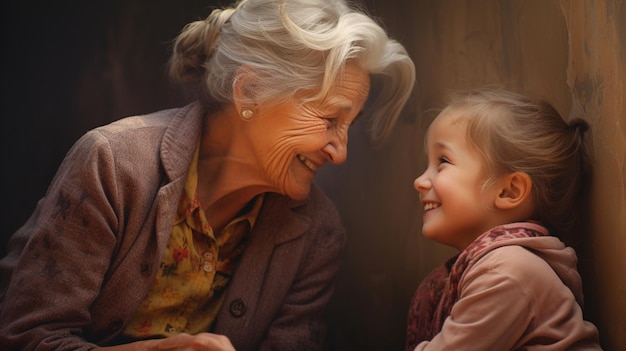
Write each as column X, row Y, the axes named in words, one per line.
column 529, row 269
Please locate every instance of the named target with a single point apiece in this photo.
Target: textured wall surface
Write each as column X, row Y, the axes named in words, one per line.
column 569, row 52
column 596, row 76
column 69, row 69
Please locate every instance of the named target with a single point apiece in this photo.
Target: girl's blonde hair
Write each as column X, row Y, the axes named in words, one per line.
column 287, row 46
column 517, row 134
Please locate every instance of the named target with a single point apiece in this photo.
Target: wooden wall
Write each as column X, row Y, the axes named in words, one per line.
column 569, row 52
column 66, row 69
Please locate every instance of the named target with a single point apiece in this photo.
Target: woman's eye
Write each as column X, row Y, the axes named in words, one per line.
column 330, row 121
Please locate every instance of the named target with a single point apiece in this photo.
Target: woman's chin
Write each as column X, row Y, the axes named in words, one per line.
column 298, row 192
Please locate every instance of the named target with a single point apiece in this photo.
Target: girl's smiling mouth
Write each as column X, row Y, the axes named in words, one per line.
column 431, row 206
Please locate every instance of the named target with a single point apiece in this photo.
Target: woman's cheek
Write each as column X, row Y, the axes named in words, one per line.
column 278, row 163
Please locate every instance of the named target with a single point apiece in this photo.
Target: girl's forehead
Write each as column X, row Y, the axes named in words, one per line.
column 448, row 120
column 447, row 131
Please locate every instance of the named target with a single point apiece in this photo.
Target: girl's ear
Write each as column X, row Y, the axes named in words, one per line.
column 515, row 189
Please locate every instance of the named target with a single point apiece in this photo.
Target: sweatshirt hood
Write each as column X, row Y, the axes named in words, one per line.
column 561, row 258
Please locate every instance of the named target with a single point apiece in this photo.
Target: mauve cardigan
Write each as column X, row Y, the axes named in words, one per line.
column 87, row 256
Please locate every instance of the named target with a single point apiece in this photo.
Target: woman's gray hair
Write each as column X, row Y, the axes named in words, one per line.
column 286, row 46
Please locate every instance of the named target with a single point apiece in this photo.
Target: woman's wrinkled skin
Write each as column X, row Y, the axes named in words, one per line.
column 292, row 141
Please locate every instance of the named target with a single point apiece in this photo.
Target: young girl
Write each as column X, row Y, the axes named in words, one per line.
column 504, row 173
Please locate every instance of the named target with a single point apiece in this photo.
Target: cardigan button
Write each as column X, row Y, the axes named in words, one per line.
column 238, row 308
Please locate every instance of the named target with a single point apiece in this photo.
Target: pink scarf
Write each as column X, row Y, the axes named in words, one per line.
column 437, row 293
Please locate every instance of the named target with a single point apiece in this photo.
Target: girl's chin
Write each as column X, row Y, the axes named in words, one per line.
column 431, row 233
column 427, row 233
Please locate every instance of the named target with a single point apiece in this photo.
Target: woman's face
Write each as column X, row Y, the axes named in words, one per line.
column 292, row 141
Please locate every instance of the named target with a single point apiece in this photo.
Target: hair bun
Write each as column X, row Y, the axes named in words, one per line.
column 578, row 124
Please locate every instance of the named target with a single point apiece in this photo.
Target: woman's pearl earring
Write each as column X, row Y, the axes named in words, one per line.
column 246, row 114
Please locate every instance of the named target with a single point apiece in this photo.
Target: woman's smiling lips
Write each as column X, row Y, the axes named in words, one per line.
column 307, row 163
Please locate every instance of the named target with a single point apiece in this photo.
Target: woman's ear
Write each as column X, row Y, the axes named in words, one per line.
column 242, row 92
column 515, row 189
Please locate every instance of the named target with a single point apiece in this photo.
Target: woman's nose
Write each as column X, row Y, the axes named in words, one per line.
column 337, row 152
column 337, row 148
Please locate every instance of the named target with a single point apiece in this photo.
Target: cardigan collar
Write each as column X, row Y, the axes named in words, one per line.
column 180, row 140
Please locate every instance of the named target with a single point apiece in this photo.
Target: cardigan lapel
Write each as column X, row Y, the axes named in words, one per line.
column 177, row 147
column 277, row 225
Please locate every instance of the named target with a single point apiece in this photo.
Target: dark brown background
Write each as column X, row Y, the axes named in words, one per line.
column 70, row 66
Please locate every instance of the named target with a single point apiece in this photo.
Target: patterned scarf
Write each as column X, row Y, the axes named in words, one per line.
column 437, row 293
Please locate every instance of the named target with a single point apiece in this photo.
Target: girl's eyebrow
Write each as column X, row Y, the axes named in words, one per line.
column 442, row 146
column 438, row 146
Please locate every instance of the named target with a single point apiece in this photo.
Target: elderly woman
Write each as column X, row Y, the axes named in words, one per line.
column 197, row 227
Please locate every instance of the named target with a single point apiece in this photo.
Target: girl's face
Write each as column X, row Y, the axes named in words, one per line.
column 458, row 206
column 291, row 141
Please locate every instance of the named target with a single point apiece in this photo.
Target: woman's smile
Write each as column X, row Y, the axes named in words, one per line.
column 307, row 163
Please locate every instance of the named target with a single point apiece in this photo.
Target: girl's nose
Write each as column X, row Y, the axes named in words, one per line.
column 422, row 183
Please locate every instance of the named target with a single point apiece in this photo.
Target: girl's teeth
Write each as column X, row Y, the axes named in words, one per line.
column 430, row 206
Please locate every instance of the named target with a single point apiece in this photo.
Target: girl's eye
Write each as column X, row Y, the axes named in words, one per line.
column 443, row 160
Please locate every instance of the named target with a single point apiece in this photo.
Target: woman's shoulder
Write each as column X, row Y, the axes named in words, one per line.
column 137, row 134
column 139, row 123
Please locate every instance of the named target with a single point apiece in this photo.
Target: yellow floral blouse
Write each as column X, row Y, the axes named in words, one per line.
column 196, row 266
